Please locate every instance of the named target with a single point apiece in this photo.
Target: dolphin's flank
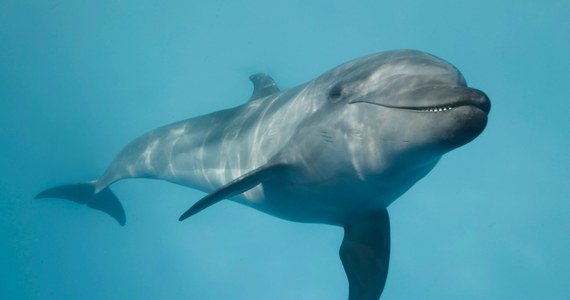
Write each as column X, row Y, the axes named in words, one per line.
column 336, row 150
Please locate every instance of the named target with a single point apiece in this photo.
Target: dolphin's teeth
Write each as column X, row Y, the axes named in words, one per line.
column 438, row 109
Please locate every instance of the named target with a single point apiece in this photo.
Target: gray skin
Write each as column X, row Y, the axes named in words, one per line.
column 336, row 150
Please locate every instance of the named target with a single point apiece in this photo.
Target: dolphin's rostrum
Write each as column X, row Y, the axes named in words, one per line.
column 336, row 150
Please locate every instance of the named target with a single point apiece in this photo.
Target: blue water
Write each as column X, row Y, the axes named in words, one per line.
column 79, row 79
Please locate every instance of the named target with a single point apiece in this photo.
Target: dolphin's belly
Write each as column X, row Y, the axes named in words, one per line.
column 317, row 205
column 302, row 197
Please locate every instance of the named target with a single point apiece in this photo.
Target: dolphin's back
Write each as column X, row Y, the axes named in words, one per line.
column 210, row 150
column 182, row 152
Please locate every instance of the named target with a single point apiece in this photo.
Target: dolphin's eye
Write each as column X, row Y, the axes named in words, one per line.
column 336, row 92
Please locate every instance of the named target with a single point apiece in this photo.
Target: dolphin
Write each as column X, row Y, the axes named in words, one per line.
column 337, row 150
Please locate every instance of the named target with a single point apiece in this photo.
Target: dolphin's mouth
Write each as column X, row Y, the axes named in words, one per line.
column 485, row 107
column 429, row 99
column 482, row 103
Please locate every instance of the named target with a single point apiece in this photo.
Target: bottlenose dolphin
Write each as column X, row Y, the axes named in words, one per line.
column 336, row 150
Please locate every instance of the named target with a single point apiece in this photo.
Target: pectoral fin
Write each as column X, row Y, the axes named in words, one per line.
column 365, row 254
column 235, row 187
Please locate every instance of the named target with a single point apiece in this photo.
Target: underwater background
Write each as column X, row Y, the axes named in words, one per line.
column 80, row 79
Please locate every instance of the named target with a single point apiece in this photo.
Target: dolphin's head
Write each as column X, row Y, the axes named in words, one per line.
column 397, row 109
column 411, row 97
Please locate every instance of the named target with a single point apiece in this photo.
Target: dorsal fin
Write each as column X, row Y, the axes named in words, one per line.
column 263, row 85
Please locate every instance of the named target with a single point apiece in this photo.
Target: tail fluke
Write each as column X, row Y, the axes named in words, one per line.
column 84, row 193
